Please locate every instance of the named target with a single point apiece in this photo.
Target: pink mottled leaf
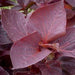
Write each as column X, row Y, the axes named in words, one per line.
column 49, row 20
column 14, row 23
column 25, row 52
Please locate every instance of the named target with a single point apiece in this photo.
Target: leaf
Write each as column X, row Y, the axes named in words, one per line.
column 5, row 52
column 71, row 2
column 14, row 23
column 26, row 71
column 68, row 64
column 42, row 1
column 6, row 3
column 67, row 42
column 4, row 39
column 71, row 22
column 23, row 2
column 3, row 72
column 65, row 53
column 49, row 20
column 70, row 13
column 25, row 52
column 50, row 68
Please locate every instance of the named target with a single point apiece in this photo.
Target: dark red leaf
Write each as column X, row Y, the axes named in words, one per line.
column 14, row 23
column 70, row 13
column 68, row 53
column 25, row 52
column 50, row 68
column 49, row 20
column 3, row 72
column 23, row 2
column 67, row 42
column 4, row 39
column 6, row 3
column 17, row 7
column 3, row 53
column 71, row 22
column 68, row 64
column 42, row 1
column 71, row 2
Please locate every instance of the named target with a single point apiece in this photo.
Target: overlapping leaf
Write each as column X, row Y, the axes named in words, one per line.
column 50, row 68
column 49, row 20
column 71, row 22
column 68, row 64
column 25, row 52
column 6, row 3
column 14, row 23
column 67, row 43
column 4, row 39
column 3, row 72
column 70, row 13
column 23, row 3
column 71, row 2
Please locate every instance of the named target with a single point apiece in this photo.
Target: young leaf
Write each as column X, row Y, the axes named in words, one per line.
column 25, row 52
column 14, row 23
column 49, row 20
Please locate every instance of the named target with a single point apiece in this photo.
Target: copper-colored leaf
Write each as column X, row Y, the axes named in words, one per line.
column 49, row 20
column 25, row 52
